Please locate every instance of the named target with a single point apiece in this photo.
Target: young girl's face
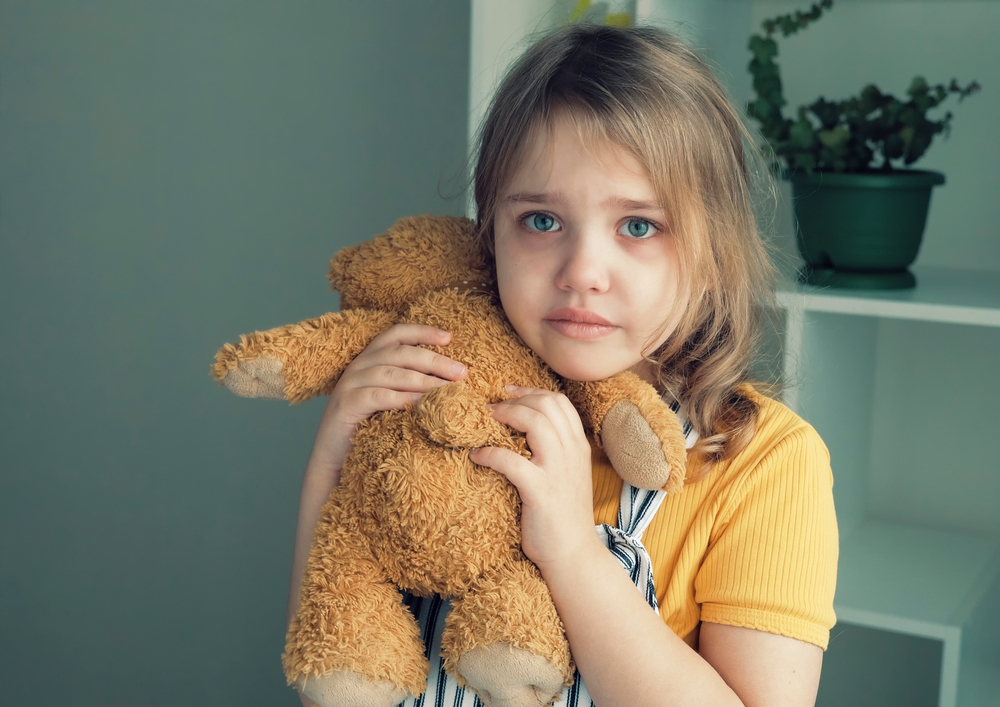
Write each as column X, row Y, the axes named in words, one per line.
column 587, row 271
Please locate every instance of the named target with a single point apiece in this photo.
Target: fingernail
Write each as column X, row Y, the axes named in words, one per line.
column 511, row 388
column 457, row 369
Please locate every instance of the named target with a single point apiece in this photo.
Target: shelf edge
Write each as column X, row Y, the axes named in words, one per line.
column 919, row 311
column 899, row 624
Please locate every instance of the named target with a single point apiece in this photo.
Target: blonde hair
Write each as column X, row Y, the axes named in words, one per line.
column 649, row 93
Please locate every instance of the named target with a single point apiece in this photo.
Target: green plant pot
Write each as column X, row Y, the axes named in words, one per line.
column 861, row 231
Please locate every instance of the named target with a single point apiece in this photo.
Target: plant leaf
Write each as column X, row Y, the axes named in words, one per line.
column 836, row 138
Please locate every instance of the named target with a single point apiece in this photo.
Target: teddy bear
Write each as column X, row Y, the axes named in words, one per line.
column 412, row 512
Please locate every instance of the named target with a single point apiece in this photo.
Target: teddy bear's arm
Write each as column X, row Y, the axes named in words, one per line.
column 639, row 432
column 298, row 361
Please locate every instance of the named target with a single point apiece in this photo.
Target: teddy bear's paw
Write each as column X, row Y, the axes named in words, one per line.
column 349, row 689
column 454, row 416
column 505, row 676
column 635, row 451
column 257, row 378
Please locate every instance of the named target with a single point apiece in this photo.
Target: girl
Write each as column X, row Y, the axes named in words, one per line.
column 612, row 186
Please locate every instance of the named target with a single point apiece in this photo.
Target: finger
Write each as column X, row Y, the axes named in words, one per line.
column 413, row 335
column 522, row 418
column 399, row 346
column 572, row 414
column 518, row 470
column 399, row 379
column 542, row 437
column 306, row 702
column 376, row 399
column 424, row 361
column 555, row 406
column 526, row 394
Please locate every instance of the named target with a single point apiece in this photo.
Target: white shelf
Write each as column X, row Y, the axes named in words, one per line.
column 927, row 583
column 913, row 580
column 941, row 295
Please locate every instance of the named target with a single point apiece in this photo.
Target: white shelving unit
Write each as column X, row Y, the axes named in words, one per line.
column 944, row 295
column 897, row 576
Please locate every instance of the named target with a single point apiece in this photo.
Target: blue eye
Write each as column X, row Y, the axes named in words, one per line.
column 540, row 222
column 637, row 228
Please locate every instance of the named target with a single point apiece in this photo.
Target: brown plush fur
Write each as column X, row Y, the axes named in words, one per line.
column 412, row 511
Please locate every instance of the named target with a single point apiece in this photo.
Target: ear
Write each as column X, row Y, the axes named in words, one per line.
column 416, row 255
column 639, row 432
column 340, row 267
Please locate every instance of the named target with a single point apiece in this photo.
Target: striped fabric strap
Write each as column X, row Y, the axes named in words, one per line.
column 442, row 689
column 636, row 509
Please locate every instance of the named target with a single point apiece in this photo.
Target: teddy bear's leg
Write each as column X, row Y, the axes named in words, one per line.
column 639, row 432
column 504, row 638
column 352, row 642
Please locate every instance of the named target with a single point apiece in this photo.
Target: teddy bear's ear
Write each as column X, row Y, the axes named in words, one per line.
column 415, row 256
column 340, row 266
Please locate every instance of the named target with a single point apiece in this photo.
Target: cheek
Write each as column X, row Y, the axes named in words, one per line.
column 514, row 282
column 518, row 299
column 663, row 302
column 502, row 251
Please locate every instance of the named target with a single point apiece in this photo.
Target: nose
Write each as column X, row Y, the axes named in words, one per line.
column 585, row 264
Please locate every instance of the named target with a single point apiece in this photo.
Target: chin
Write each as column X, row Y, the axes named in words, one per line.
column 575, row 372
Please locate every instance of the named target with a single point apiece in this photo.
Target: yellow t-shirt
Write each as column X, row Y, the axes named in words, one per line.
column 752, row 543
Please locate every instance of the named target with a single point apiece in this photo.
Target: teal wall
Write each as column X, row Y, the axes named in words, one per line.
column 173, row 174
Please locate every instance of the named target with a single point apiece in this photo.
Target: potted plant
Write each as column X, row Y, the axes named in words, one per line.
column 860, row 217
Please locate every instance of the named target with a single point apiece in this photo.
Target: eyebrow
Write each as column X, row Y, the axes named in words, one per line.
column 529, row 197
column 632, row 205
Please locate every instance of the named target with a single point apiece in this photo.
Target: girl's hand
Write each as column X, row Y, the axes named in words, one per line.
column 557, row 507
column 389, row 374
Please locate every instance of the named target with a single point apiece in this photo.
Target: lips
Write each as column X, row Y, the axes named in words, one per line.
column 578, row 323
column 579, row 316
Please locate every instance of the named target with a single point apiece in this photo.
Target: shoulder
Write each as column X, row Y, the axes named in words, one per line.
column 776, row 420
column 785, row 455
column 779, row 431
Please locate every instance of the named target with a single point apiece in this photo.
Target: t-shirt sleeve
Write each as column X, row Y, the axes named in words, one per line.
column 772, row 559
